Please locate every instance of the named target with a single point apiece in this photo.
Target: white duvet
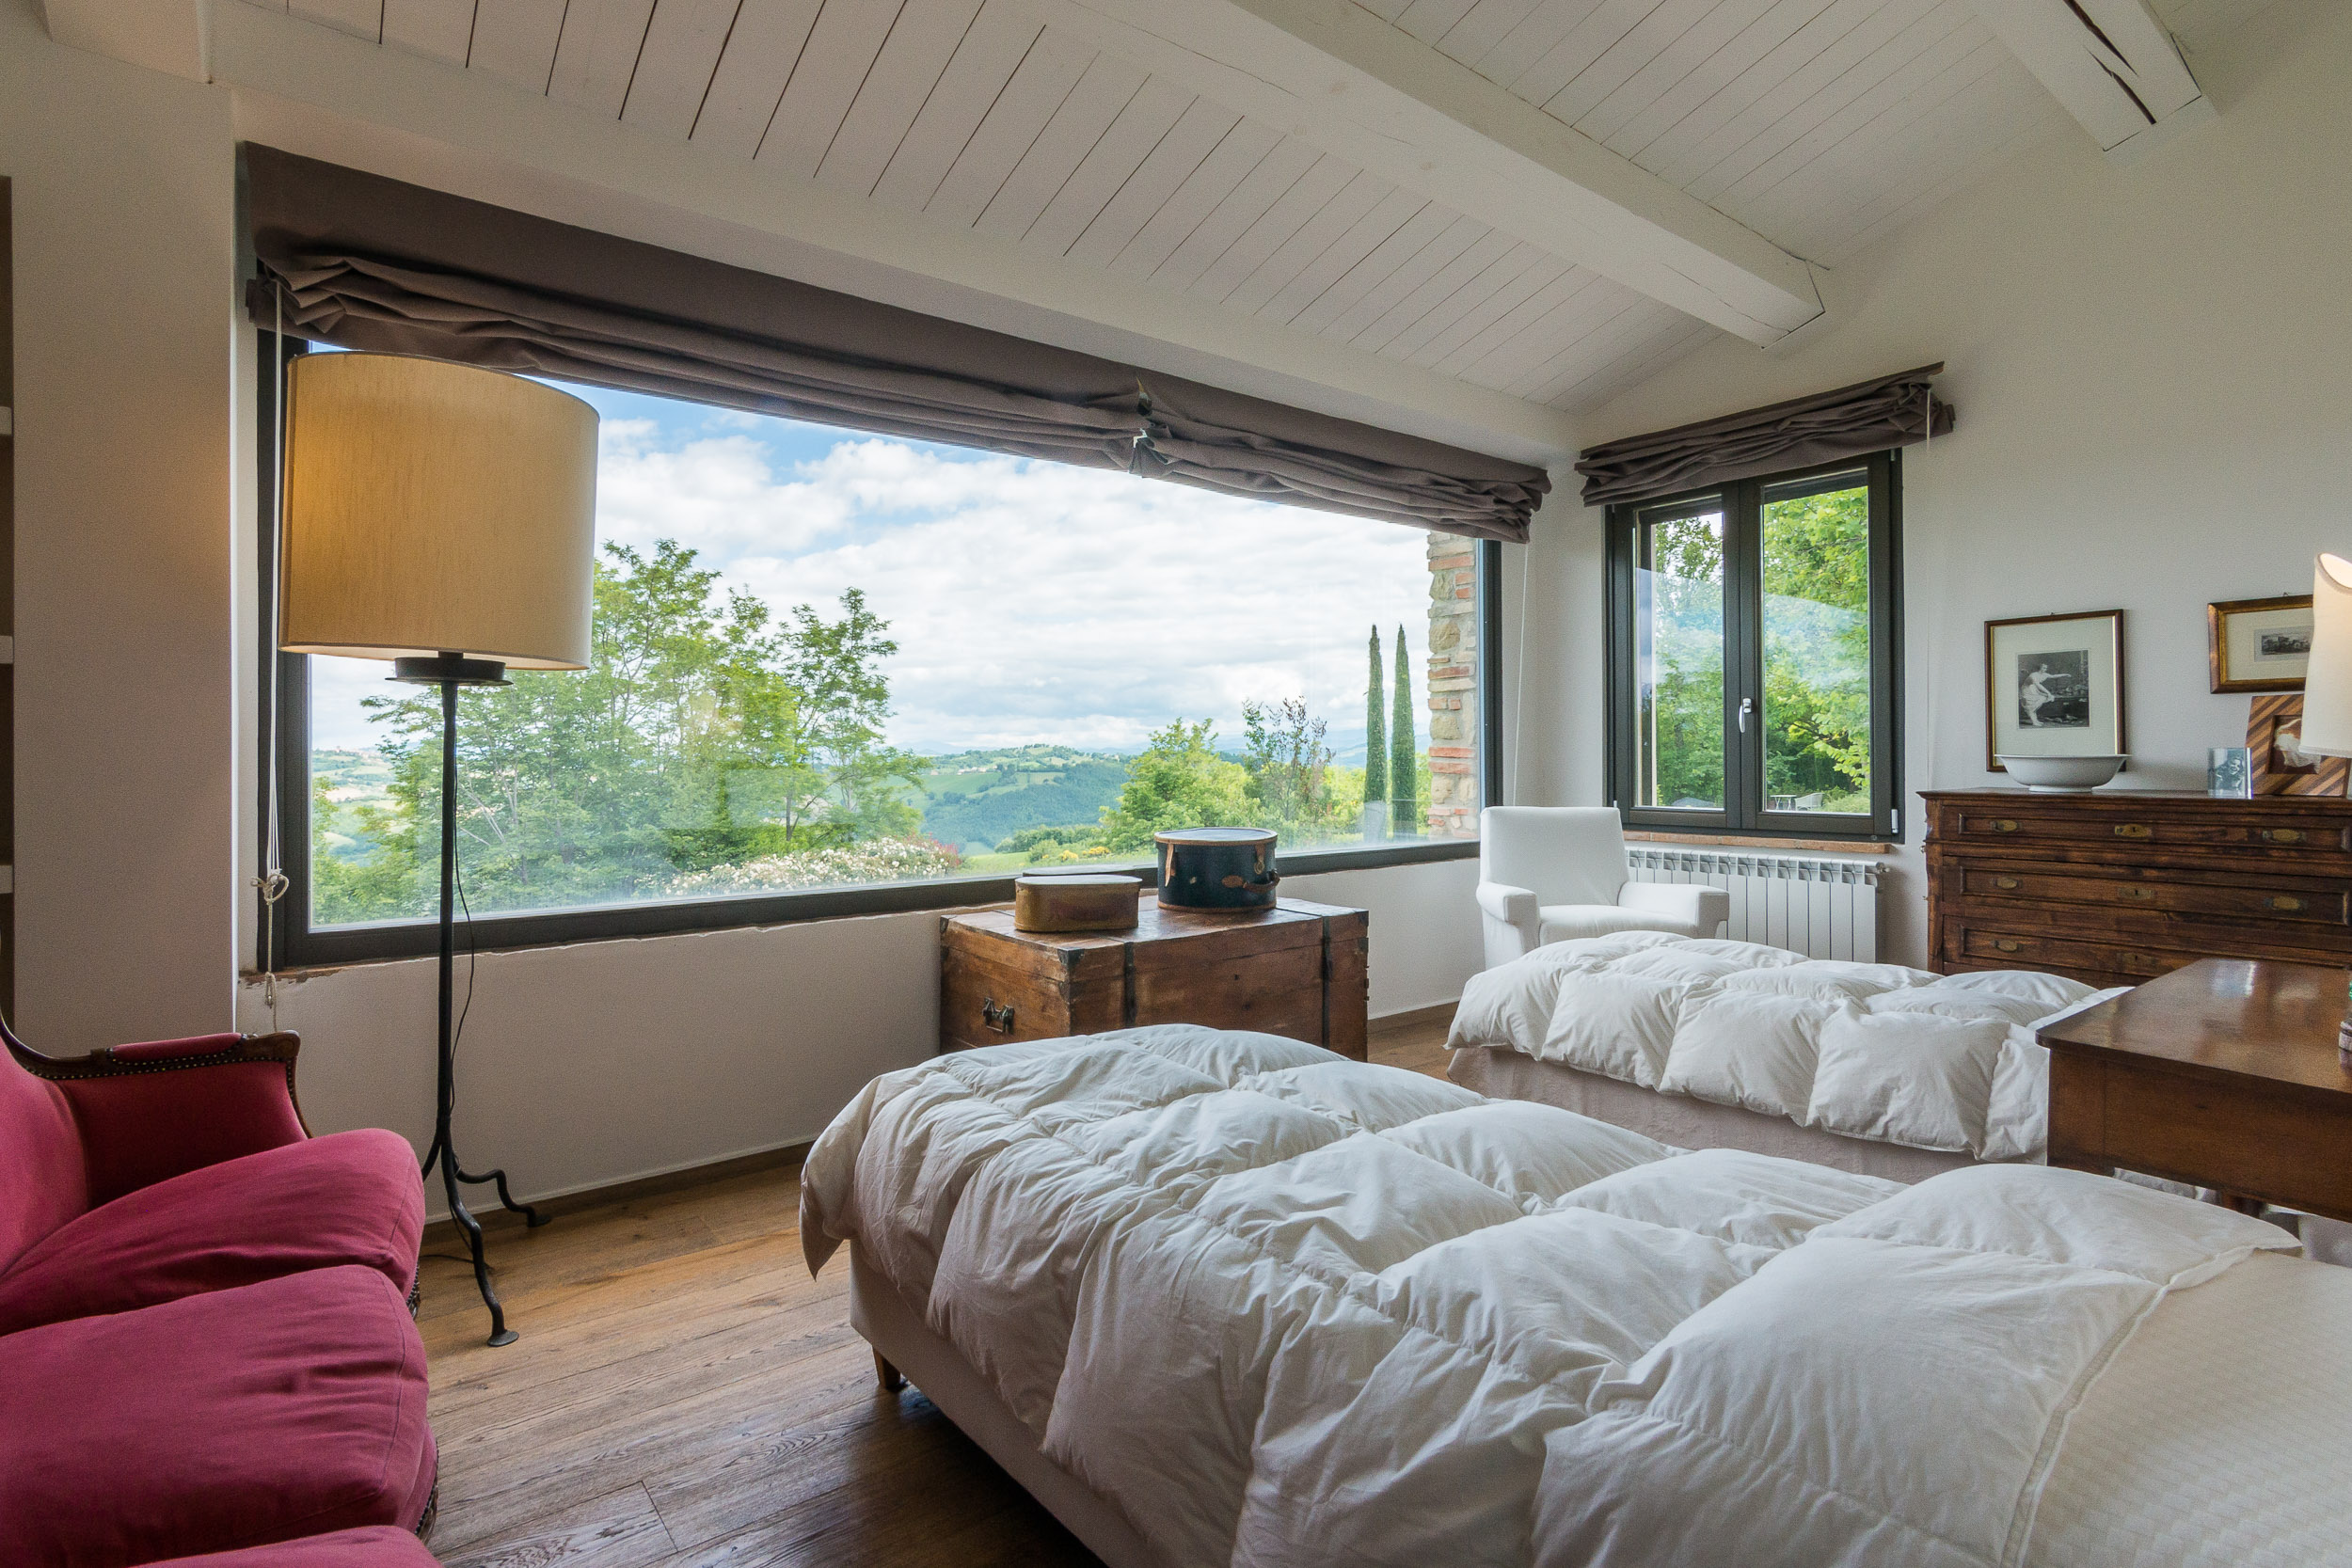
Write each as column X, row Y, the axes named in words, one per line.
column 1882, row 1051
column 1279, row 1307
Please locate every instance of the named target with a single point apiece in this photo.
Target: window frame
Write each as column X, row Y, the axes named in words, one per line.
column 1744, row 813
column 290, row 940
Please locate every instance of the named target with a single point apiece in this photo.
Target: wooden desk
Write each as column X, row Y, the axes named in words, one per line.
column 2224, row 1074
column 1297, row 969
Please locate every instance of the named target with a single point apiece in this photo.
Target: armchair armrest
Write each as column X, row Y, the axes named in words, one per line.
column 1511, row 922
column 1513, row 905
column 1698, row 909
column 158, row 1108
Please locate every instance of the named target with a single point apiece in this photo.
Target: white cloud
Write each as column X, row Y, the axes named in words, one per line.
column 1032, row 600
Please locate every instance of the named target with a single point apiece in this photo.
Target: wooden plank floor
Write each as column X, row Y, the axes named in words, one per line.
column 683, row 1393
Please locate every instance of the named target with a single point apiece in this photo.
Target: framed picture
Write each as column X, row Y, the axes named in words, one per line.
column 2259, row 644
column 2274, row 736
column 2230, row 772
column 2054, row 686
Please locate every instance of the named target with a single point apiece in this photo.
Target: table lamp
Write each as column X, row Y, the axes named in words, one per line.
column 2327, row 688
column 443, row 519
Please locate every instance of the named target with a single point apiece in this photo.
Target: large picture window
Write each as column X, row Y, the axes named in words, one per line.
column 836, row 672
column 1754, row 638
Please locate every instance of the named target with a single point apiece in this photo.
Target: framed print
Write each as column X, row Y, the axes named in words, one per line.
column 2054, row 686
column 2274, row 735
column 2259, row 644
column 2230, row 772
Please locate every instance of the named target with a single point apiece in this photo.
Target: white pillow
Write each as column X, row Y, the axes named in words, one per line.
column 1906, row 1078
column 1747, row 1048
column 2051, row 990
column 1829, row 978
column 1944, row 1003
column 1618, row 1025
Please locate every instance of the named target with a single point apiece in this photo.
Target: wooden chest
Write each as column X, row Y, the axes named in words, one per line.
column 2115, row 888
column 1297, row 969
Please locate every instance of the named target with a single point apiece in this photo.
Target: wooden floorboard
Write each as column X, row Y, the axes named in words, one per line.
column 684, row 1395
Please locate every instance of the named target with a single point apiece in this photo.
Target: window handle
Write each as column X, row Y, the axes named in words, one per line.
column 1747, row 705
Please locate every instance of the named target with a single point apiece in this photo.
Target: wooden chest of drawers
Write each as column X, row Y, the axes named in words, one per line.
column 2118, row 887
column 1297, row 969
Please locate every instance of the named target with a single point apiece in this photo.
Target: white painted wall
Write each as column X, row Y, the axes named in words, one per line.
column 137, row 695
column 126, row 884
column 2152, row 369
column 597, row 1063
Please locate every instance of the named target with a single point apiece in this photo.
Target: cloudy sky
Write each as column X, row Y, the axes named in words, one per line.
column 1030, row 601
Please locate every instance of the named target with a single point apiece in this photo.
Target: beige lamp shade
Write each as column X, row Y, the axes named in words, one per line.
column 2327, row 687
column 435, row 508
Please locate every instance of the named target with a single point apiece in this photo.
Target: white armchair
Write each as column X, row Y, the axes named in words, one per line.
column 1554, row 873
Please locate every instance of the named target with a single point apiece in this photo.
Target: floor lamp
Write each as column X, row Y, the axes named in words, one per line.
column 2327, row 691
column 442, row 518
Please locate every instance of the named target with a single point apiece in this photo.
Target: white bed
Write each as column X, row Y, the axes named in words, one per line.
column 1229, row 1298
column 1876, row 1068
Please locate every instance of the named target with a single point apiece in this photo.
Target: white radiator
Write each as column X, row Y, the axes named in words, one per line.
column 1822, row 905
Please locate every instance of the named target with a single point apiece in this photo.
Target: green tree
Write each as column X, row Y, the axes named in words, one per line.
column 1376, row 730
column 702, row 734
column 1289, row 767
column 1404, row 772
column 1178, row 780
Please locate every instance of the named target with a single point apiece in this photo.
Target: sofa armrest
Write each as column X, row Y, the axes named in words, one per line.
column 1698, row 909
column 159, row 1108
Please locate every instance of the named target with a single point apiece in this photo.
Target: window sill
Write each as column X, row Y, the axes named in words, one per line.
column 1729, row 841
column 313, row 953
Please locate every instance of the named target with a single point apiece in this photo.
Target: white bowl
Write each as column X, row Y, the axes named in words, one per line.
column 2062, row 775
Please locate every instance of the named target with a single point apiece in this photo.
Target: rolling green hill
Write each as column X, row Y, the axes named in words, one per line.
column 986, row 797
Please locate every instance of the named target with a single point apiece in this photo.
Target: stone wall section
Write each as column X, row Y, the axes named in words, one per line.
column 1453, row 684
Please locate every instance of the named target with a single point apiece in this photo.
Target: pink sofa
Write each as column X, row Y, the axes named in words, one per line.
column 207, row 1342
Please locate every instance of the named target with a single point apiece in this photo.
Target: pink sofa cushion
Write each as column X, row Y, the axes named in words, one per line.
column 382, row 1546
column 232, row 1418
column 348, row 1197
column 144, row 1127
column 41, row 1181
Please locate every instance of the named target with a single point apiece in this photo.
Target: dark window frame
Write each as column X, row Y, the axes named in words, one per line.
column 290, row 942
column 1743, row 813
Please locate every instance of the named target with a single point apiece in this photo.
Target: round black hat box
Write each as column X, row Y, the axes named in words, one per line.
column 1216, row 869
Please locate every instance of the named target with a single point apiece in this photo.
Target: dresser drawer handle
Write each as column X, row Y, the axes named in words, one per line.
column 2283, row 902
column 2005, row 945
column 2004, row 824
column 2140, row 893
column 2131, row 830
column 996, row 1015
column 2282, row 835
column 2006, row 883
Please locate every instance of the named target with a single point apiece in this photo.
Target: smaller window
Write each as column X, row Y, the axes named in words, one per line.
column 1754, row 675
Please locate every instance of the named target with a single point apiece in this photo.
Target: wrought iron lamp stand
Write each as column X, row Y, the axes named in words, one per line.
column 448, row 671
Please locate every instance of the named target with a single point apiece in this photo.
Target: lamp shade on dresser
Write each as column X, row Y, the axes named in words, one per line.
column 2116, row 888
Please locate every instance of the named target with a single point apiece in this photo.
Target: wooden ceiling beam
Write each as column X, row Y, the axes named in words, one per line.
column 2111, row 63
column 1342, row 79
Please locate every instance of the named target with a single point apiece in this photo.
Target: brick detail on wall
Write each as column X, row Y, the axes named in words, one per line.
column 1452, row 680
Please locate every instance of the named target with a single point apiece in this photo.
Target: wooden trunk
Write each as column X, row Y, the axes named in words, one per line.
column 2119, row 886
column 1297, row 969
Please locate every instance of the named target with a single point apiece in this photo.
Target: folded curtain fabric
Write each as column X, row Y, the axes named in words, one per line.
column 1897, row 410
column 371, row 263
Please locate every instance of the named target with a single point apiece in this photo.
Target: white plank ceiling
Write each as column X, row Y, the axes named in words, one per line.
column 1822, row 124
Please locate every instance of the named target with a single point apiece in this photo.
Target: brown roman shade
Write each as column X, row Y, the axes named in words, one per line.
column 366, row 262
column 1867, row 417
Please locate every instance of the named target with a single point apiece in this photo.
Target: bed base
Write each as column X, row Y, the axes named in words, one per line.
column 1503, row 1073
column 905, row 1348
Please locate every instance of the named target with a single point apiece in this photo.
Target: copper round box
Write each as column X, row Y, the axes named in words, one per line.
column 1076, row 901
column 1216, row 869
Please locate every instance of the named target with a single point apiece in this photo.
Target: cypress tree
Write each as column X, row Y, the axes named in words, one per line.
column 1404, row 777
column 1376, row 731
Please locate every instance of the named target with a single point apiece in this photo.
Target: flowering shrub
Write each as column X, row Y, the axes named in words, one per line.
column 881, row 860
